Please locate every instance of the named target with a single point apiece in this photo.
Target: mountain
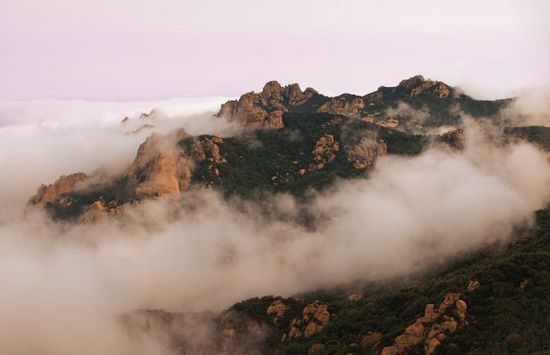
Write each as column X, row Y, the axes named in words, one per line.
column 494, row 301
column 489, row 301
column 291, row 141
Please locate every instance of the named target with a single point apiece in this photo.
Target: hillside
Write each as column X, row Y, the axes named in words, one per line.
column 492, row 300
column 291, row 141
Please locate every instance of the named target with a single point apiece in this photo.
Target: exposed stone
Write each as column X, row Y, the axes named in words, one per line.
column 49, row 193
column 454, row 138
column 355, row 296
column 325, row 151
column 343, row 105
column 311, row 329
column 432, row 328
column 472, row 286
column 265, row 109
column 229, row 332
column 389, row 123
column 363, row 154
column 390, row 350
column 432, row 345
column 429, row 314
column 277, row 309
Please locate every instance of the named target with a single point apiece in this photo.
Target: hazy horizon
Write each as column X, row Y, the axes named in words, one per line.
column 138, row 50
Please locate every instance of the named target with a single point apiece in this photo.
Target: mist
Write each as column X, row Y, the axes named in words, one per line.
column 65, row 286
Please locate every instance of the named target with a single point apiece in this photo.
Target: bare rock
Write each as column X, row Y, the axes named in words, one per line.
column 472, row 286
column 355, row 296
column 363, row 154
column 66, row 183
column 454, row 138
column 325, row 151
column 277, row 309
column 343, row 105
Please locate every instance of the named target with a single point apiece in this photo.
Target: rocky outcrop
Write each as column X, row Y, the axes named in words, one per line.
column 364, row 154
column 454, row 138
column 277, row 310
column 159, row 168
column 50, row 193
column 432, row 328
column 417, row 85
column 410, row 88
column 301, row 319
column 265, row 109
column 315, row 316
column 344, row 105
column 324, row 152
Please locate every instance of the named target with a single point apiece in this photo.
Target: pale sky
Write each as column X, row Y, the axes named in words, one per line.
column 138, row 49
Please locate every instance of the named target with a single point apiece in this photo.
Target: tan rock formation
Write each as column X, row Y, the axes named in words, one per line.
column 432, row 328
column 66, row 183
column 325, row 151
column 315, row 316
column 343, row 105
column 277, row 309
column 265, row 109
column 363, row 154
column 454, row 138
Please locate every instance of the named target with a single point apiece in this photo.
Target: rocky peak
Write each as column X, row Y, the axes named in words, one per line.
column 412, row 82
column 272, row 90
column 49, row 193
column 265, row 109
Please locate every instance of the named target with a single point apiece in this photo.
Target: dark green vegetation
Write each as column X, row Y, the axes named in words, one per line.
column 539, row 135
column 508, row 314
column 271, row 160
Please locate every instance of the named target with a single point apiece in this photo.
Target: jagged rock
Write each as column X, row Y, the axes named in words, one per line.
column 343, row 105
column 365, row 153
column 450, row 299
column 317, row 310
column 429, row 314
column 325, row 151
column 432, row 328
column 454, row 138
column 432, row 345
column 315, row 316
column 277, row 309
column 417, row 85
column 49, row 193
column 389, row 123
column 265, row 109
